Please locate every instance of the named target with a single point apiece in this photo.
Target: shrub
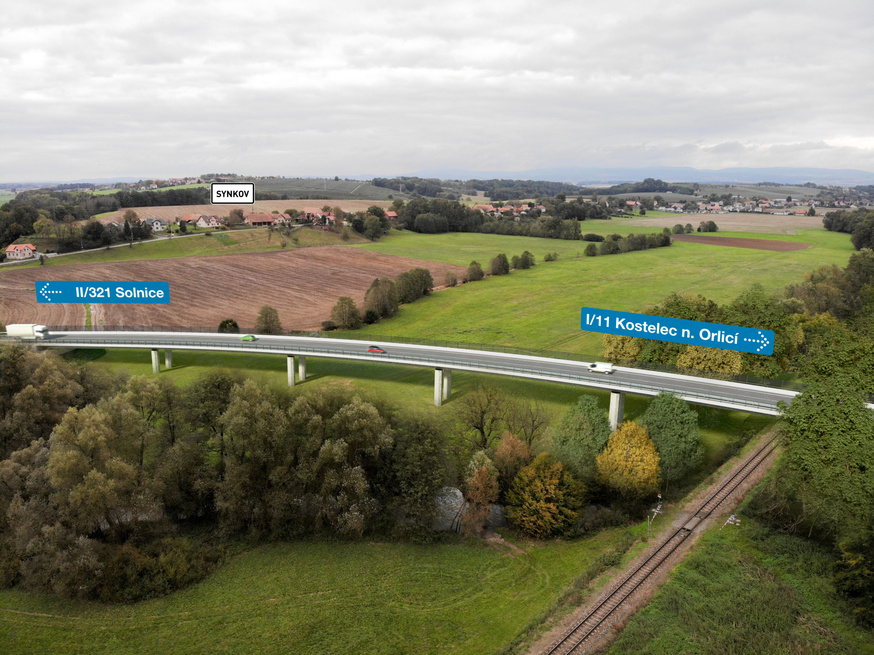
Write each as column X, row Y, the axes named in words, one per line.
column 229, row 326
column 593, row 237
column 500, row 265
column 474, row 272
column 327, row 326
column 451, row 279
column 591, row 250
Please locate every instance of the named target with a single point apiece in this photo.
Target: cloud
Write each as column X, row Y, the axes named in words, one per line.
column 91, row 89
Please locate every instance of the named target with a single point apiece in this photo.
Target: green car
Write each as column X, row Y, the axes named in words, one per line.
column 247, row 337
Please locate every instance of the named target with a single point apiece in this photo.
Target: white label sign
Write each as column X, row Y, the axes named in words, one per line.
column 226, row 193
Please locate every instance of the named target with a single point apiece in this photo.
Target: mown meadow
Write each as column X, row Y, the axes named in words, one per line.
column 540, row 307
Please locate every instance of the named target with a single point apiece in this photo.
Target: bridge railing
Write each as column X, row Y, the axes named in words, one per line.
column 339, row 334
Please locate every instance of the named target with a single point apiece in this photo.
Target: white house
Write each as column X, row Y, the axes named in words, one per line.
column 20, row 251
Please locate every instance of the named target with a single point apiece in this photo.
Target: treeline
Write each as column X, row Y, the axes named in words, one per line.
column 561, row 220
column 100, row 476
column 192, row 196
column 614, row 244
column 858, row 223
column 381, row 300
column 649, row 185
column 502, row 190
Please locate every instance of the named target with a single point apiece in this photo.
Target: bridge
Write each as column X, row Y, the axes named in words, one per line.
column 726, row 394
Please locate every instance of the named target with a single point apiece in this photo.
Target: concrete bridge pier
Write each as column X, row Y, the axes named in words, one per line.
column 301, row 368
column 447, row 383
column 168, row 358
column 617, row 408
column 438, row 387
column 156, row 362
column 290, row 365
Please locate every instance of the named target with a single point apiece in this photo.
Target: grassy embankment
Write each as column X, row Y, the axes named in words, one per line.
column 747, row 589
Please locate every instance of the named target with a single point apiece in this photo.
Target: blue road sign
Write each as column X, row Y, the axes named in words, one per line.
column 676, row 330
column 57, row 292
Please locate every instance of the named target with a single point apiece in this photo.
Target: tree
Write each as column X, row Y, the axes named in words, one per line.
column 474, row 272
column 630, row 463
column 372, row 227
column 621, row 348
column 382, row 298
column 481, row 485
column 591, row 250
column 500, row 265
column 229, row 326
column 545, row 498
column 715, row 360
column 510, row 456
column 673, row 427
column 863, row 234
column 451, row 279
column 346, row 314
column 93, row 468
column 419, row 470
column 526, row 420
column 479, row 414
column 828, row 436
column 235, row 217
column 258, row 441
column 268, row 321
column 580, row 436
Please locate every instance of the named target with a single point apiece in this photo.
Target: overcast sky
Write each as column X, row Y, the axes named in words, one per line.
column 94, row 88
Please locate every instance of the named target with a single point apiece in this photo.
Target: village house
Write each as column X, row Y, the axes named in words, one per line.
column 20, row 251
column 156, row 224
column 208, row 221
column 260, row 220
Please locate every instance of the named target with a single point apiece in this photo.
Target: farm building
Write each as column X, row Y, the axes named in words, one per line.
column 20, row 251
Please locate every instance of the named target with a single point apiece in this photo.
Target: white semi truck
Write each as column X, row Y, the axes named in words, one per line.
column 27, row 331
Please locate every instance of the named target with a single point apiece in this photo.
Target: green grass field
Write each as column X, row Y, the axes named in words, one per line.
column 323, row 597
column 540, row 307
column 744, row 590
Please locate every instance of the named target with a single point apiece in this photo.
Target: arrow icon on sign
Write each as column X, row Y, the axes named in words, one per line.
column 46, row 292
column 763, row 341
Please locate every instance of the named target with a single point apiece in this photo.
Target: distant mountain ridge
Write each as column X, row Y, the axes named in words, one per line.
column 592, row 175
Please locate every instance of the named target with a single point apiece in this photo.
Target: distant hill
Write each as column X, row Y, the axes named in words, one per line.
column 590, row 175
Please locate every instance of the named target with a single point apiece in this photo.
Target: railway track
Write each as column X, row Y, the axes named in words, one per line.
column 573, row 641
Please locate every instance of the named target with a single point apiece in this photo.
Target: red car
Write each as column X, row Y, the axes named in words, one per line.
column 375, row 349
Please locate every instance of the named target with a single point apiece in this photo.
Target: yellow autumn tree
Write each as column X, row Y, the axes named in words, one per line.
column 715, row 360
column 630, row 462
column 619, row 348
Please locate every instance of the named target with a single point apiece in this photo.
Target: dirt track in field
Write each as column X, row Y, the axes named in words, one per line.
column 731, row 242
column 303, row 285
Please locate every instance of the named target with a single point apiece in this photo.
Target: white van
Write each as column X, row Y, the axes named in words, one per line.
column 601, row 367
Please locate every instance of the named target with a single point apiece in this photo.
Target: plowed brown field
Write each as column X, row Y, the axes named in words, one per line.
column 303, row 285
